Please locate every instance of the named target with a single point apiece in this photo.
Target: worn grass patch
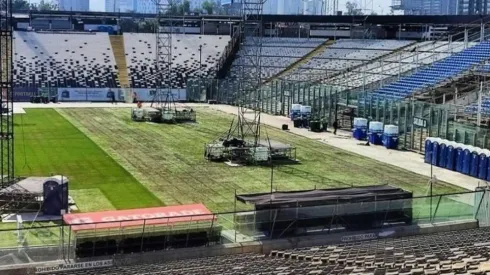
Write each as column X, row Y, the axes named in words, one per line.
column 46, row 143
column 168, row 160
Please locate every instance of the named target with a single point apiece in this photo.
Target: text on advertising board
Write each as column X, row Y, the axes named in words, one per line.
column 73, row 266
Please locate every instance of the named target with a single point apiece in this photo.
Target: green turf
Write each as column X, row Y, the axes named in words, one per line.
column 168, row 160
column 46, row 143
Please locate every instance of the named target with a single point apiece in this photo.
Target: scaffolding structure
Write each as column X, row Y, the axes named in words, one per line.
column 163, row 60
column 6, row 95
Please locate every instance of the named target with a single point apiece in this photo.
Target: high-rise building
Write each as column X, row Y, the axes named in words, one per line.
column 121, row 5
column 144, row 6
column 471, row 7
column 426, row 7
column 283, row 7
column 74, row 5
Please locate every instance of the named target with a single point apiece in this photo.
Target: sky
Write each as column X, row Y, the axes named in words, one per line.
column 379, row 6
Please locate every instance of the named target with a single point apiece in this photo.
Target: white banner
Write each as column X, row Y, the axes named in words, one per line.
column 149, row 94
column 90, row 94
column 73, row 266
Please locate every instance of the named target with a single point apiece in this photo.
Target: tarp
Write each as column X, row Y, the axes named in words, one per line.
column 138, row 217
column 327, row 196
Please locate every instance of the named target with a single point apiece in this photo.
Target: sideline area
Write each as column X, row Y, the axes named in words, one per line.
column 410, row 161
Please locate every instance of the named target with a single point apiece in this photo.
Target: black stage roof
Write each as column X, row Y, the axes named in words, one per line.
column 328, row 196
column 344, row 19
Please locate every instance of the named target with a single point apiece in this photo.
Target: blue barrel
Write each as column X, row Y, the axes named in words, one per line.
column 390, row 136
column 435, row 151
column 460, row 157
column 483, row 165
column 451, row 156
column 428, row 150
column 442, row 158
column 475, row 163
column 375, row 133
column 360, row 128
column 467, row 160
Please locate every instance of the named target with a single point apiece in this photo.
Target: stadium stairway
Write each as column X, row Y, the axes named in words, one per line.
column 117, row 43
column 439, row 73
column 302, row 61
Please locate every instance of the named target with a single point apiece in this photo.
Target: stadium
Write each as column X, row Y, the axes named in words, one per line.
column 243, row 144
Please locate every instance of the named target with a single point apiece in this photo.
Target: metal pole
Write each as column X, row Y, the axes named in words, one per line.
column 478, row 116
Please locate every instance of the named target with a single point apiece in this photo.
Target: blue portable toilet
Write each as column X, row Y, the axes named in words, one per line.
column 390, row 136
column 451, row 156
column 460, row 157
column 428, row 150
column 295, row 111
column 375, row 132
column 475, row 160
column 435, row 150
column 483, row 164
column 360, row 128
column 467, row 159
column 441, row 159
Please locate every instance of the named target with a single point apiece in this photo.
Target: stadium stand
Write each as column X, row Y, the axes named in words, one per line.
column 47, row 59
column 421, row 54
column 438, row 72
column 344, row 54
column 485, row 107
column 141, row 54
column 455, row 252
column 277, row 54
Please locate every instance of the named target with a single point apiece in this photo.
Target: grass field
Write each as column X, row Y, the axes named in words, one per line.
column 168, row 161
column 114, row 163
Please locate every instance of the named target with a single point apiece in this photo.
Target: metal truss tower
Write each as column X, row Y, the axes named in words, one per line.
column 163, row 61
column 250, row 69
column 6, row 96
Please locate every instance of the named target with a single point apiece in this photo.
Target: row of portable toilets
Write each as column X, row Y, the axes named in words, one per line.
column 466, row 159
column 376, row 133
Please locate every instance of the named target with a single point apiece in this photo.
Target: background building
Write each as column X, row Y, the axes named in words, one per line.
column 471, row 7
column 283, row 7
column 121, row 5
column 426, row 7
column 74, row 5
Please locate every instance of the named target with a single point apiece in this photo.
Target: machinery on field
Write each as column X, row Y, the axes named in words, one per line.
column 163, row 111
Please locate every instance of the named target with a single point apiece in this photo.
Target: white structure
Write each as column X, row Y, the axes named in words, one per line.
column 121, row 5
column 188, row 60
column 74, row 5
column 64, row 60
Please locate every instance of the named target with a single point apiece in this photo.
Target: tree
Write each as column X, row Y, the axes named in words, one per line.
column 353, row 8
column 20, row 5
column 186, row 7
column 208, row 6
column 128, row 25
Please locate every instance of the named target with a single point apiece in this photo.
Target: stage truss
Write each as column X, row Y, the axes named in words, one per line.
column 163, row 32
column 6, row 96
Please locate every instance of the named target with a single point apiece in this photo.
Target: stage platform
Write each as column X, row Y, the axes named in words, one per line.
column 31, row 185
column 31, row 217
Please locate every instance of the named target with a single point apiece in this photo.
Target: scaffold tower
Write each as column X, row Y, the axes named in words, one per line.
column 6, row 95
column 163, row 60
column 250, row 70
